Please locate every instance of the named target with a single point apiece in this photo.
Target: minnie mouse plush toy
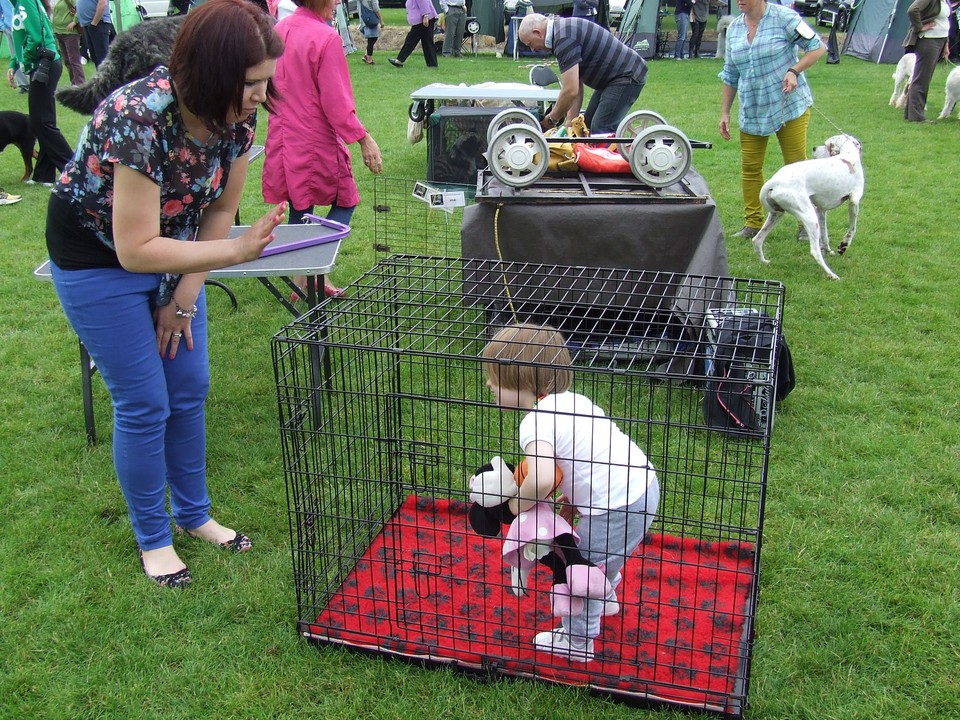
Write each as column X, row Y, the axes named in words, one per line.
column 537, row 535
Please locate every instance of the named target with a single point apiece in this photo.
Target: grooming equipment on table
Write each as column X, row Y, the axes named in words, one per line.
column 518, row 152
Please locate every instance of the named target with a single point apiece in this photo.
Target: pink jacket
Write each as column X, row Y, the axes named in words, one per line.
column 307, row 161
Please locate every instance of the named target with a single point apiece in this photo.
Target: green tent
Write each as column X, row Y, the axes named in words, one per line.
column 638, row 28
column 489, row 14
column 876, row 30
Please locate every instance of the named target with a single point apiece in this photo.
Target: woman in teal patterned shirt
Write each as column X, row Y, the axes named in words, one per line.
column 763, row 69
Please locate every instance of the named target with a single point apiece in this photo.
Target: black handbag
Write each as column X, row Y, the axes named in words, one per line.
column 737, row 394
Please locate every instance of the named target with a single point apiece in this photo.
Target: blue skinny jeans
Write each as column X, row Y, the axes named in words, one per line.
column 159, row 432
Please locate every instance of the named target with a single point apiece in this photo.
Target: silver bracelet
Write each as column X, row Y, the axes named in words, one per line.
column 181, row 313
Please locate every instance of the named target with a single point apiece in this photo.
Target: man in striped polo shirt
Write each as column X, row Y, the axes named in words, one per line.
column 588, row 54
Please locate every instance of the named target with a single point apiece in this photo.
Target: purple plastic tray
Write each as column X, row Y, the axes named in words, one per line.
column 296, row 237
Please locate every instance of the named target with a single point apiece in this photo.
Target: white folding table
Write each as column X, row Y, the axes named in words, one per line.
column 505, row 92
column 315, row 260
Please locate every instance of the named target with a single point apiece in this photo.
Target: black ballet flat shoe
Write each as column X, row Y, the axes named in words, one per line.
column 240, row 542
column 179, row 579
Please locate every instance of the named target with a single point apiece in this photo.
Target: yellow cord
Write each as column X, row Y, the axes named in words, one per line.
column 503, row 274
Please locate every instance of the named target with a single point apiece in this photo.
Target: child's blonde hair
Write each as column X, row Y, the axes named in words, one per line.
column 528, row 357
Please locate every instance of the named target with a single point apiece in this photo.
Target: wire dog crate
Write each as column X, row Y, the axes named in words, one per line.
column 404, row 222
column 385, row 415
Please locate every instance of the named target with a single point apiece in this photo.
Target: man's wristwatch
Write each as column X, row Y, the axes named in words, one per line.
column 550, row 120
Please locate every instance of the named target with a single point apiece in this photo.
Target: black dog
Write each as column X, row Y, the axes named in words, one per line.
column 132, row 55
column 15, row 130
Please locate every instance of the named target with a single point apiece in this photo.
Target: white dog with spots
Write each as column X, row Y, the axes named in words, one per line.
column 901, row 80
column 953, row 94
column 808, row 189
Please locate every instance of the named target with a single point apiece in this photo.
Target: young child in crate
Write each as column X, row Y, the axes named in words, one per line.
column 606, row 478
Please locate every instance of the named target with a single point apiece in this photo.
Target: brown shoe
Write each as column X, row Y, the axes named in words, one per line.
column 747, row 232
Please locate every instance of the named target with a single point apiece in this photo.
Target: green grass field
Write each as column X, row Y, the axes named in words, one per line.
column 859, row 610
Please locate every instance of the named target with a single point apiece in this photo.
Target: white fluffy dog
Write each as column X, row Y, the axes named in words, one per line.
column 953, row 93
column 809, row 188
column 901, row 80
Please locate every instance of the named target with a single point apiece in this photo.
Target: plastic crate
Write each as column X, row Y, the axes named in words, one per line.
column 457, row 141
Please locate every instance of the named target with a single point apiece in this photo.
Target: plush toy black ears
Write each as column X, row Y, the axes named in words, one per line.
column 488, row 521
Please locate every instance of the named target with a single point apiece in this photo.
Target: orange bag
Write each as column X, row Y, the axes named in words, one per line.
column 600, row 159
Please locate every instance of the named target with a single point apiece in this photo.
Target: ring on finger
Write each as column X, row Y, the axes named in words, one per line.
column 177, row 335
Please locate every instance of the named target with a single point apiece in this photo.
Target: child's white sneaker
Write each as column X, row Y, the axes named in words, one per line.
column 558, row 642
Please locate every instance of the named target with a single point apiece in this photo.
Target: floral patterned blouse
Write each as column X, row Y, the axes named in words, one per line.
column 140, row 126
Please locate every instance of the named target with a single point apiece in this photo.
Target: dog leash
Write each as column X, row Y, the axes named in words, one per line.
column 829, row 121
column 783, row 113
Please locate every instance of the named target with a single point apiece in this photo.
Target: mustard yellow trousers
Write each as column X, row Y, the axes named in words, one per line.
column 753, row 149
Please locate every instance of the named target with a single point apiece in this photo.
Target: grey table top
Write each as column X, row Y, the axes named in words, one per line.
column 508, row 91
column 314, row 260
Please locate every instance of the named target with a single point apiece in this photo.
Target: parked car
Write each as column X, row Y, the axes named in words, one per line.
column 835, row 13
column 152, row 8
column 546, row 7
column 807, row 7
column 158, row 8
column 564, row 8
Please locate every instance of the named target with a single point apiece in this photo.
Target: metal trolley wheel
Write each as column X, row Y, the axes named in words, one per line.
column 512, row 116
column 518, row 155
column 661, row 156
column 634, row 124
column 416, row 112
column 419, row 110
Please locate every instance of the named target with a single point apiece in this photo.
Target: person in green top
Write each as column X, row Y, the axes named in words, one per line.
column 6, row 18
column 66, row 29
column 35, row 52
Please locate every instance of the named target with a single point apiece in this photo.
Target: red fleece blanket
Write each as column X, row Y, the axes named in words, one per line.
column 428, row 588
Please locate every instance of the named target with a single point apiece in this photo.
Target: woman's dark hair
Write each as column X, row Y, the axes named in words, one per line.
column 216, row 45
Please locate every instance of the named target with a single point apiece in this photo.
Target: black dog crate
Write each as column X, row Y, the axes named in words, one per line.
column 406, row 223
column 457, row 141
column 384, row 416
